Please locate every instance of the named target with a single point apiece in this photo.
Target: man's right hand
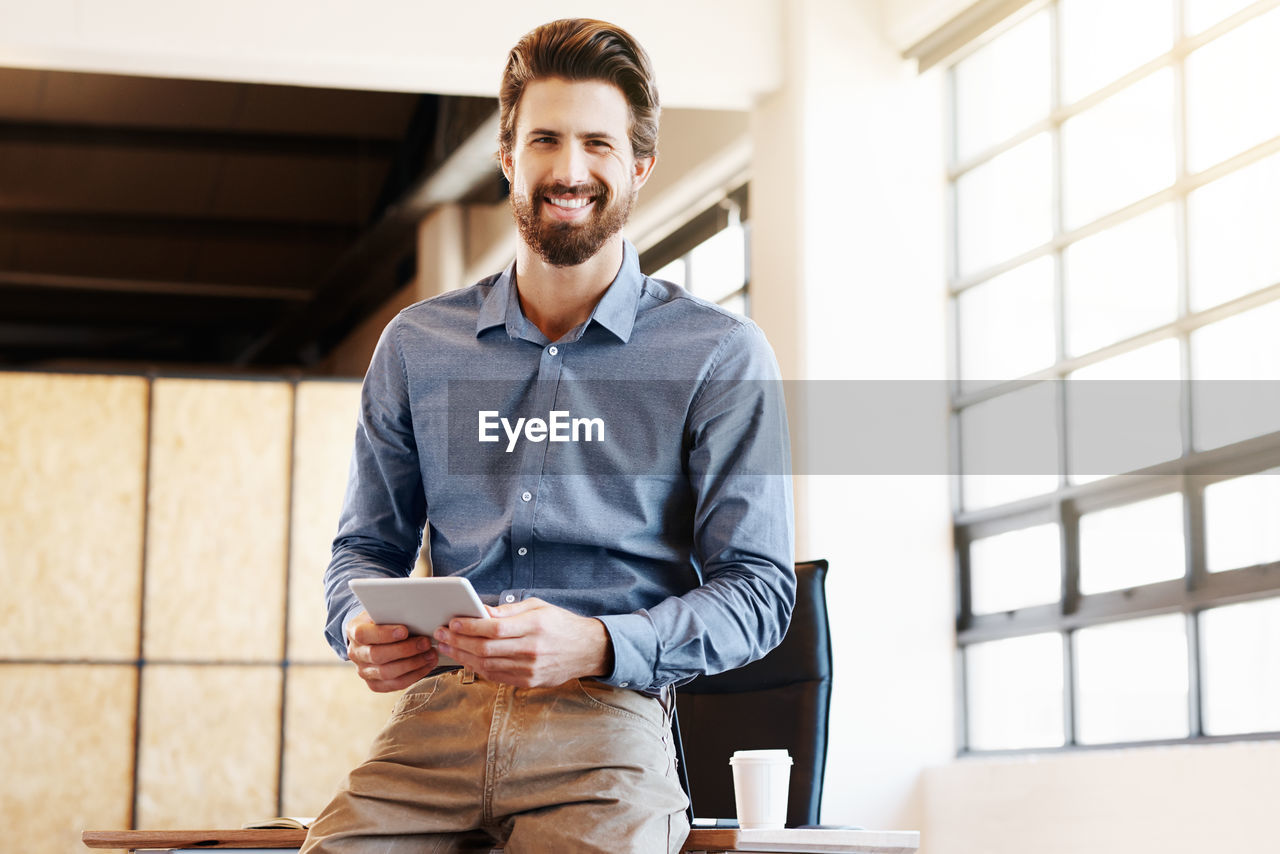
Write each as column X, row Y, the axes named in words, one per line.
column 386, row 658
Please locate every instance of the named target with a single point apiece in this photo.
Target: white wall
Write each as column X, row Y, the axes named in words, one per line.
column 1201, row 799
column 847, row 199
column 391, row 45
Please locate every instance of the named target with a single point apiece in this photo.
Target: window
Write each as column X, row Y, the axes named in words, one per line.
column 1114, row 171
column 708, row 255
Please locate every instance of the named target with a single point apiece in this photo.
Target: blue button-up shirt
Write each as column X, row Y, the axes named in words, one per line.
column 655, row 494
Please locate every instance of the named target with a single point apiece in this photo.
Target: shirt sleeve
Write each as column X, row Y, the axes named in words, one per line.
column 383, row 513
column 739, row 464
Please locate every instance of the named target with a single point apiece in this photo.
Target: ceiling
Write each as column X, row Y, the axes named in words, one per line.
column 237, row 225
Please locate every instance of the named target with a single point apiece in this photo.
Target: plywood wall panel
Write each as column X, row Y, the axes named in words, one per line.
column 210, row 741
column 67, row 747
column 331, row 719
column 217, row 527
column 324, row 430
column 72, row 477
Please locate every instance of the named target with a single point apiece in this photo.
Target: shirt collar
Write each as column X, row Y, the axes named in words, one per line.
column 616, row 310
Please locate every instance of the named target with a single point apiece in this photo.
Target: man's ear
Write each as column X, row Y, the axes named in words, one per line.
column 504, row 160
column 643, row 169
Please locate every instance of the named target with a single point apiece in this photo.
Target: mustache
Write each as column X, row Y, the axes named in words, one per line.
column 590, row 190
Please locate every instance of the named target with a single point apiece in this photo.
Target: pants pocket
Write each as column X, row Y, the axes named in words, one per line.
column 624, row 702
column 416, row 697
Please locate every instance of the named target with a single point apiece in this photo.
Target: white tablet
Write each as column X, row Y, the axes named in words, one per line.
column 420, row 604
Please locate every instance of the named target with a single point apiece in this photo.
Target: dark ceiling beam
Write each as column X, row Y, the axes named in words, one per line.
column 360, row 278
column 204, row 142
column 166, row 226
column 21, row 279
column 134, row 345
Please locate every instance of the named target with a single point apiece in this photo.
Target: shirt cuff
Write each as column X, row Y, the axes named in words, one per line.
column 635, row 650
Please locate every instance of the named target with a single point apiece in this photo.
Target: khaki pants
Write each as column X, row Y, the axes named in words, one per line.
column 465, row 764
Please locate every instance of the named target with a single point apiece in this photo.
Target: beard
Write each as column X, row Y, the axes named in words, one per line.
column 568, row 244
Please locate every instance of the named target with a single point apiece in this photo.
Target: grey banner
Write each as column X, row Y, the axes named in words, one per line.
column 1081, row 427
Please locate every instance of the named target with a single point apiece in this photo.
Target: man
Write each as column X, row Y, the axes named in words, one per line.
column 613, row 568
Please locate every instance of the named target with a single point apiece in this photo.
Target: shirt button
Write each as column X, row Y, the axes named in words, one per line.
column 553, row 349
column 522, row 551
column 526, row 496
column 624, row 684
column 510, row 598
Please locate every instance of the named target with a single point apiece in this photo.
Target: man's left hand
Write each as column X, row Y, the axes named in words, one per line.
column 529, row 644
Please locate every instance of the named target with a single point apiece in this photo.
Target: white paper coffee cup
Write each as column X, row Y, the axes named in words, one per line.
column 761, row 779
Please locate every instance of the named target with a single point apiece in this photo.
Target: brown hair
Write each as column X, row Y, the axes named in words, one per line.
column 583, row 49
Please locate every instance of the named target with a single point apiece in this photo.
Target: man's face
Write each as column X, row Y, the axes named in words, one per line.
column 573, row 177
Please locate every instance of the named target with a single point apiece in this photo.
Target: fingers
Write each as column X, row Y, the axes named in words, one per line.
column 524, row 605
column 508, row 621
column 483, row 648
column 383, row 686
column 382, row 653
column 365, row 631
column 397, row 674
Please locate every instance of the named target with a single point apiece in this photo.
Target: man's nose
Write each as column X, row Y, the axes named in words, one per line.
column 571, row 165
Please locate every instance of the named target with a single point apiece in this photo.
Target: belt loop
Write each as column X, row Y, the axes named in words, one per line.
column 468, row 676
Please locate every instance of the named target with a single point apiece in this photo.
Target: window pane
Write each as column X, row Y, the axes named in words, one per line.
column 1119, row 151
column 1233, row 92
column 1003, row 88
column 1121, row 282
column 1202, row 14
column 1241, row 653
column 1015, row 692
column 718, row 265
column 1244, row 348
column 1232, row 226
column 1131, row 680
column 1003, row 207
column 1240, row 521
column 1015, row 569
column 674, row 272
column 1009, row 447
column 1006, row 325
column 1131, row 545
column 1104, row 39
column 1124, row 413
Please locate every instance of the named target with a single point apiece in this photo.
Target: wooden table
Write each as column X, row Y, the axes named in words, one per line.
column 700, row 839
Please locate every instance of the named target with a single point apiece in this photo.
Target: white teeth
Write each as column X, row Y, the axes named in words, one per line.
column 569, row 203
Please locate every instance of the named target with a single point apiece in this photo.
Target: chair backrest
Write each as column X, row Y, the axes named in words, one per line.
column 782, row 700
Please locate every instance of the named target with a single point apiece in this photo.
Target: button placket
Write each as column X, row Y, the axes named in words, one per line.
column 532, row 467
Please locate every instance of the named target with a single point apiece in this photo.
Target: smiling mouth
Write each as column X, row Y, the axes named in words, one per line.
column 570, row 204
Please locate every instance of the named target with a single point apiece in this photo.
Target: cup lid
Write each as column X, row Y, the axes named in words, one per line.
column 760, row 757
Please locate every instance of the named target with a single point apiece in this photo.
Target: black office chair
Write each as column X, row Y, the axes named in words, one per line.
column 782, row 700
